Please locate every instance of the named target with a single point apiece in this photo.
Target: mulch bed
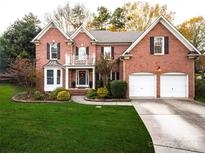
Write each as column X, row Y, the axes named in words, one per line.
column 24, row 98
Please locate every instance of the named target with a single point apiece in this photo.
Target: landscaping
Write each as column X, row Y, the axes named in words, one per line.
column 200, row 90
column 69, row 127
column 114, row 91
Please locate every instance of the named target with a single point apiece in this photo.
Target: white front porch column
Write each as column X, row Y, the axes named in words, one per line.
column 94, row 78
column 66, row 78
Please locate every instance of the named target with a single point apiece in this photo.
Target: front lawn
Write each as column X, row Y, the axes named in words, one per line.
column 69, row 127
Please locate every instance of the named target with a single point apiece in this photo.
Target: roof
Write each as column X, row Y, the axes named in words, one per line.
column 82, row 29
column 46, row 28
column 171, row 28
column 112, row 37
column 53, row 63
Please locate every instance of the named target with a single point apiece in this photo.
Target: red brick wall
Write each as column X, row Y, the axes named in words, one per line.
column 41, row 51
column 175, row 61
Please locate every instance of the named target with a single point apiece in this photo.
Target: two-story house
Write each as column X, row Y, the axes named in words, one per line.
column 158, row 62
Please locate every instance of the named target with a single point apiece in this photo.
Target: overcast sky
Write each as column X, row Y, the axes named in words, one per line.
column 10, row 10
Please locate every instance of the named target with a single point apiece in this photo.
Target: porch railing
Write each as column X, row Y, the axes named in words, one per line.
column 73, row 60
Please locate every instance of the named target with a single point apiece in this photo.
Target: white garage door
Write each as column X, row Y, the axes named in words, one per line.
column 173, row 85
column 142, row 85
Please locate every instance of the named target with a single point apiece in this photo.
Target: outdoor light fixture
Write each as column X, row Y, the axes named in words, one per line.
column 158, row 69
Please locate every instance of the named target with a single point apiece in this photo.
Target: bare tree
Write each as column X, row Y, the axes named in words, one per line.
column 22, row 71
column 104, row 67
column 68, row 18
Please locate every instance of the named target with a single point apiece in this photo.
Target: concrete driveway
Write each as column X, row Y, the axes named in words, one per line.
column 174, row 125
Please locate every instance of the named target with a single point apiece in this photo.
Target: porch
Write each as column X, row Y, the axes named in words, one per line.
column 79, row 78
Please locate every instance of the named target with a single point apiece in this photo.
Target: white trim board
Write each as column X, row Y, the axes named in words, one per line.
column 170, row 27
column 82, row 29
column 46, row 28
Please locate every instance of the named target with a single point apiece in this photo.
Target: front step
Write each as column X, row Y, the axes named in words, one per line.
column 78, row 91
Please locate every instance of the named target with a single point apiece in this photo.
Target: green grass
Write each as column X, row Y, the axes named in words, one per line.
column 69, row 127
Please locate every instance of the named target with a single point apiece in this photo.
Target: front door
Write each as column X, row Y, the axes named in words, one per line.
column 82, row 78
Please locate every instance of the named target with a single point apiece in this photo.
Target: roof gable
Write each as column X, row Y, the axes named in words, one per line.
column 82, row 29
column 171, row 28
column 46, row 28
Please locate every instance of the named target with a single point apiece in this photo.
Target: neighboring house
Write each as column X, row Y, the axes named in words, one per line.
column 158, row 62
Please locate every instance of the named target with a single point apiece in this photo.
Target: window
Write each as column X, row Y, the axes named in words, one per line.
column 82, row 53
column 115, row 75
column 158, row 45
column 50, row 77
column 54, row 50
column 58, row 76
column 107, row 52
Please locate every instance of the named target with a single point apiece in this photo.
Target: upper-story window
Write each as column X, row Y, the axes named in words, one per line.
column 107, row 52
column 54, row 50
column 158, row 45
column 82, row 53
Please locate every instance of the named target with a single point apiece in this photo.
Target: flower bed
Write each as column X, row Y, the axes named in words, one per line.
column 23, row 98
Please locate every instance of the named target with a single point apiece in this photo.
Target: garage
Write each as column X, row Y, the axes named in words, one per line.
column 142, row 85
column 174, row 85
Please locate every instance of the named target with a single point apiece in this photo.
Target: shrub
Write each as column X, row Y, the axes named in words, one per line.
column 57, row 90
column 91, row 93
column 200, row 87
column 102, row 92
column 51, row 95
column 38, row 95
column 118, row 88
column 63, row 96
column 99, row 83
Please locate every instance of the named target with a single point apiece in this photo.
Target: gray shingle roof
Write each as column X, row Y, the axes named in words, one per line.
column 108, row 36
column 53, row 63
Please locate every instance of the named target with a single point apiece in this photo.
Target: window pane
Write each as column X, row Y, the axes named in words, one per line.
column 107, row 52
column 54, row 50
column 50, row 77
column 82, row 53
column 58, row 76
column 158, row 44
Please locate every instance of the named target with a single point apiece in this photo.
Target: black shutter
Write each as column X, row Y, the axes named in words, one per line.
column 48, row 51
column 117, row 76
column 87, row 51
column 166, row 45
column 102, row 51
column 59, row 51
column 112, row 52
column 76, row 51
column 152, row 45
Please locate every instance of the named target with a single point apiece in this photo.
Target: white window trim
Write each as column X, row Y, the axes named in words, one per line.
column 82, row 58
column 110, row 52
column 155, row 38
column 51, row 52
column 86, row 79
column 51, row 87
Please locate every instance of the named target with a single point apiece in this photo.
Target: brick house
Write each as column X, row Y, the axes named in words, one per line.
column 158, row 62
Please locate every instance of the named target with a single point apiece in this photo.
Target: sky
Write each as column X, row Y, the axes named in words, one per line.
column 11, row 10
